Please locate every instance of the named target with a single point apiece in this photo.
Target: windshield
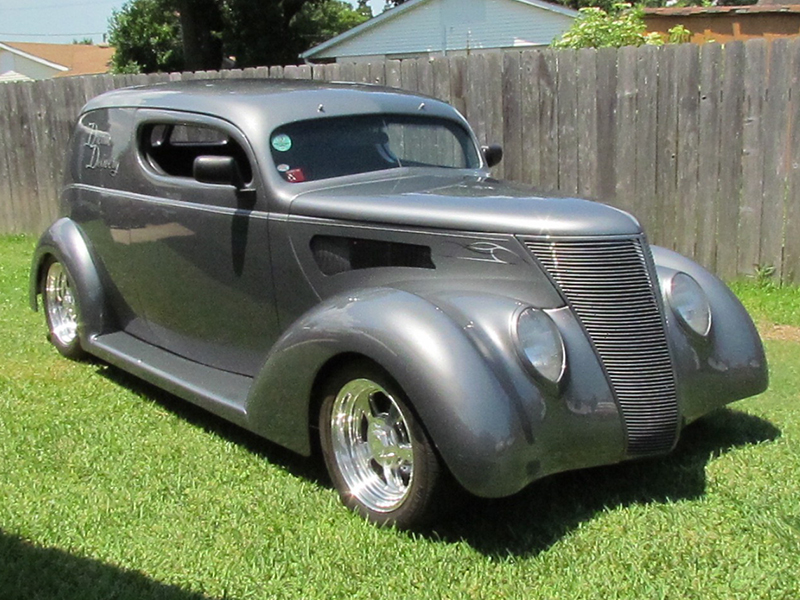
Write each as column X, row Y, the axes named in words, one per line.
column 324, row 148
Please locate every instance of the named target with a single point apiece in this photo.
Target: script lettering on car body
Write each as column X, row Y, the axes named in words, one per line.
column 98, row 140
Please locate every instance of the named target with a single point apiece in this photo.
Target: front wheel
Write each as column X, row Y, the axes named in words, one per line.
column 379, row 458
column 61, row 310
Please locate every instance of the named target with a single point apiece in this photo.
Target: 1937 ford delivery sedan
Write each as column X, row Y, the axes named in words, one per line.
column 333, row 264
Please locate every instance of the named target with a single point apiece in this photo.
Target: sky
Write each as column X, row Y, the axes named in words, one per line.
column 62, row 21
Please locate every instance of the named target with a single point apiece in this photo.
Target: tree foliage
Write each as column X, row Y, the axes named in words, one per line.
column 146, row 37
column 172, row 35
column 621, row 25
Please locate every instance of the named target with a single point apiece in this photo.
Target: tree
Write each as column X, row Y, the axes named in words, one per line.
column 201, row 33
column 318, row 22
column 146, row 37
column 156, row 35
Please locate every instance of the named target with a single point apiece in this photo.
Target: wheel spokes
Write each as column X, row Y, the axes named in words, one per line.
column 371, row 445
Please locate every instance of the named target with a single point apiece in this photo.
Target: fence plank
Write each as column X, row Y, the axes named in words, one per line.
column 318, row 72
column 606, row 114
column 547, row 76
column 708, row 154
column 567, row 131
column 531, row 153
column 647, row 69
column 45, row 191
column 458, row 86
column 333, row 72
column 21, row 159
column 791, row 257
column 730, row 166
column 347, row 72
column 666, row 158
column 408, row 75
column 7, row 174
column 512, row 119
column 752, row 158
column 425, row 78
column 494, row 105
column 361, row 74
column 776, row 159
column 393, row 76
column 476, row 95
column 625, row 130
column 377, row 73
column 586, row 120
column 441, row 79
column 688, row 90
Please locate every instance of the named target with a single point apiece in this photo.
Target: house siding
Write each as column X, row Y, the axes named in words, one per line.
column 440, row 26
column 25, row 66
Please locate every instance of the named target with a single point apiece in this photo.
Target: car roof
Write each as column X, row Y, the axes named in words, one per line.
column 269, row 103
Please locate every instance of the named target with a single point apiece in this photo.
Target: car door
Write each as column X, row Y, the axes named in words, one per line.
column 199, row 252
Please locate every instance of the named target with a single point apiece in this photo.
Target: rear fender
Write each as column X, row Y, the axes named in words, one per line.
column 64, row 241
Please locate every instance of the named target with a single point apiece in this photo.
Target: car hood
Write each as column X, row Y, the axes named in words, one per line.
column 464, row 203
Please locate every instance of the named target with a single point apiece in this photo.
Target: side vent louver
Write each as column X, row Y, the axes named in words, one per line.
column 335, row 254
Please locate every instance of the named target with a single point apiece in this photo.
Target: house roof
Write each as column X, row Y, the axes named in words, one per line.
column 688, row 11
column 69, row 59
column 405, row 7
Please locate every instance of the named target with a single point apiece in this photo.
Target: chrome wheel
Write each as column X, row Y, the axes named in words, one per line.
column 60, row 305
column 372, row 445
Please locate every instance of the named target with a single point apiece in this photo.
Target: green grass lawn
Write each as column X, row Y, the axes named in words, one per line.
column 110, row 488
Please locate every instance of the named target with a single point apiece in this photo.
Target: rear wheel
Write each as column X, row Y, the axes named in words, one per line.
column 378, row 455
column 61, row 309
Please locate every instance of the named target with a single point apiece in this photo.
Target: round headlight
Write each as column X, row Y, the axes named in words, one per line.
column 690, row 304
column 540, row 344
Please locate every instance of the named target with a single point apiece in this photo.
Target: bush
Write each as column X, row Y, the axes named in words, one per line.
column 622, row 25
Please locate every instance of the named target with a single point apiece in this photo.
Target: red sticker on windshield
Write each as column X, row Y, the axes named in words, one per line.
column 295, row 175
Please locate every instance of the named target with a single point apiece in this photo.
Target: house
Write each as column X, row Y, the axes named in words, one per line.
column 728, row 23
column 24, row 61
column 427, row 28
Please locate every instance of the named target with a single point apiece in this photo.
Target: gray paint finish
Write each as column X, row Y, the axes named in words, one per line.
column 217, row 294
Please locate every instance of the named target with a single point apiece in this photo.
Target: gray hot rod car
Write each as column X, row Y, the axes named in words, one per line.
column 332, row 264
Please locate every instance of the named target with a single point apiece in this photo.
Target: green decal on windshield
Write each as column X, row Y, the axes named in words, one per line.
column 282, row 142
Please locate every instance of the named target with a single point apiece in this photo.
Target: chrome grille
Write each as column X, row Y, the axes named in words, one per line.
column 607, row 284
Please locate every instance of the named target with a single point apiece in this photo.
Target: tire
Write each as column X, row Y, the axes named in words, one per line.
column 379, row 458
column 61, row 309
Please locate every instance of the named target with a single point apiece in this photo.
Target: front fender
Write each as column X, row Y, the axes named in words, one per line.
column 732, row 365
column 476, row 426
column 64, row 241
column 452, row 354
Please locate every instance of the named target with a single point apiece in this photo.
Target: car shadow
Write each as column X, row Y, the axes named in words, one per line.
column 543, row 513
column 293, row 463
column 30, row 571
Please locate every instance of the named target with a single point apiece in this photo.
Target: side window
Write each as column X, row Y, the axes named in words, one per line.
column 171, row 148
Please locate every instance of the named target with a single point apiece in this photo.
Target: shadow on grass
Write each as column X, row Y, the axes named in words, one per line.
column 547, row 510
column 28, row 571
column 533, row 520
column 279, row 456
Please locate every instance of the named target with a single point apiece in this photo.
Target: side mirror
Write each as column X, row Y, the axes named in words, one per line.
column 219, row 170
column 493, row 154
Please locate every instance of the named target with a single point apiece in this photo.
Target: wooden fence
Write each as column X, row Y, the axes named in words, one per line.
column 702, row 143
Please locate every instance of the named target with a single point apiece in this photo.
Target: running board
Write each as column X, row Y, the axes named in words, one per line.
column 220, row 392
